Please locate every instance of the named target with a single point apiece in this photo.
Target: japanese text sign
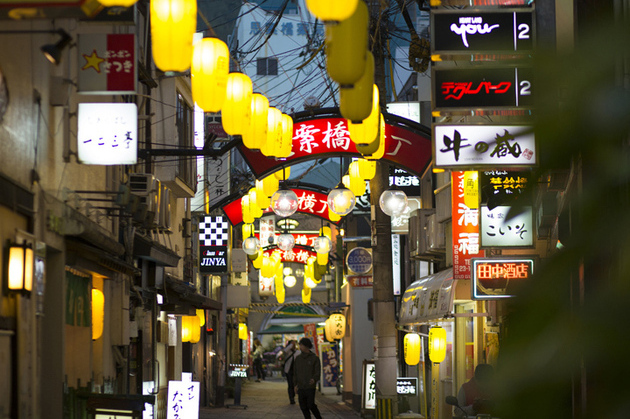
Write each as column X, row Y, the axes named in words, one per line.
column 499, row 228
column 369, row 385
column 107, row 64
column 499, row 278
column 500, row 187
column 330, row 364
column 407, row 385
column 213, row 240
column 481, row 31
column 360, row 280
column 468, row 146
column 237, row 370
column 183, row 400
column 466, row 243
column 405, row 147
column 107, row 133
column 299, row 254
column 487, row 88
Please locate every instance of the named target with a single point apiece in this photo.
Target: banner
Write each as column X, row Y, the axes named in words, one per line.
column 465, row 210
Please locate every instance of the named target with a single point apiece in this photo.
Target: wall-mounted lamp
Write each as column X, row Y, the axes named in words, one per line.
column 20, row 268
column 51, row 51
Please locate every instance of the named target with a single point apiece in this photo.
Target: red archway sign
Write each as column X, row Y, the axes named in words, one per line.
column 309, row 202
column 325, row 134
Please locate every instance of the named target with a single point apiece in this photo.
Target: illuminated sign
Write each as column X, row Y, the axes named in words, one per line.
column 213, row 240
column 500, row 228
column 107, row 133
column 481, row 31
column 288, row 224
column 500, row 187
column 183, row 399
column 498, row 278
column 369, row 385
column 359, row 260
column 407, row 144
column 107, row 64
column 407, row 386
column 487, row 88
column 484, row 145
column 466, row 244
column 237, row 371
column 299, row 254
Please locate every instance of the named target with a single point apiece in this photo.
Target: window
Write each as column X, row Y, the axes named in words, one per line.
column 267, row 66
column 187, row 166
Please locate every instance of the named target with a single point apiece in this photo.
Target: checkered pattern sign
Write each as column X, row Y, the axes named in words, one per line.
column 213, row 231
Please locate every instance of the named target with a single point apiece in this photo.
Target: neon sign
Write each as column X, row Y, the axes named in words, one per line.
column 498, row 278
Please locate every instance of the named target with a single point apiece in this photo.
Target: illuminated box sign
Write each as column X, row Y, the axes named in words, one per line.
column 368, row 398
column 499, row 228
column 500, row 187
column 407, row 386
column 499, row 278
column 183, row 399
column 213, row 241
column 487, row 88
column 457, row 146
column 107, row 133
column 237, row 371
column 107, row 64
column 481, row 32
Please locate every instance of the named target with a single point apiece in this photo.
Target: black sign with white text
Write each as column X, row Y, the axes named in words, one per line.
column 481, row 32
column 482, row 88
column 213, row 259
column 407, row 386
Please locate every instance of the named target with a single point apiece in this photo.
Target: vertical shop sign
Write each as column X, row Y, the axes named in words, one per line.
column 396, row 262
column 330, row 364
column 107, row 64
column 183, row 399
column 465, row 212
column 310, row 331
column 369, row 385
column 213, row 240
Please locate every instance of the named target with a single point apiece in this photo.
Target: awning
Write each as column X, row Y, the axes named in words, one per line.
column 182, row 297
column 429, row 298
column 282, row 329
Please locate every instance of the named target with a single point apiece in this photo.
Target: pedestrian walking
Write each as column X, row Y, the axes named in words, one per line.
column 258, row 360
column 290, row 352
column 306, row 372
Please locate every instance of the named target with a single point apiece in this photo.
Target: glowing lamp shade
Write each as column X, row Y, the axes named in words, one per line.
column 243, row 333
column 173, row 24
column 322, row 259
column 437, row 344
column 286, row 144
column 256, row 133
column 248, row 231
column 331, row 10
column 98, row 313
column 286, row 241
column 346, row 47
column 322, row 244
column 117, row 3
column 258, row 261
column 412, row 348
column 290, row 281
column 326, row 335
column 209, row 73
column 355, row 103
column 248, row 217
column 332, row 216
column 284, row 202
column 336, row 326
column 270, row 185
column 309, row 282
column 251, row 245
column 393, row 202
column 237, row 109
column 191, row 329
column 202, row 317
column 20, row 270
column 365, row 132
column 341, row 201
column 272, row 145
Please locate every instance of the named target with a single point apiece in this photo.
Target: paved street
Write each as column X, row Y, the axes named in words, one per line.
column 269, row 400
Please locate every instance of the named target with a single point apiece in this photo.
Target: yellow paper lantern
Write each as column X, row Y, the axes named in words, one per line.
column 262, row 199
column 202, row 317
column 306, row 294
column 283, row 174
column 237, row 110
column 287, row 137
column 254, row 209
column 366, row 132
column 248, row 231
column 191, row 329
column 271, row 147
column 332, row 216
column 331, row 10
column 437, row 344
column 98, row 313
column 243, row 333
column 173, row 24
column 380, row 151
column 258, row 262
column 355, row 103
column 20, row 271
column 248, row 217
column 255, row 135
column 327, row 336
column 322, row 259
column 270, row 185
column 268, row 267
column 326, row 232
column 336, row 326
column 412, row 348
column 346, row 47
column 209, row 72
column 367, row 168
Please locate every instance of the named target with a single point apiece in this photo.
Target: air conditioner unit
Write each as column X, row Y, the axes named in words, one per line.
column 419, row 231
column 164, row 221
column 149, row 190
column 436, row 241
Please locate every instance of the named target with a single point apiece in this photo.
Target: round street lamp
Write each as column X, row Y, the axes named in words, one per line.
column 322, row 244
column 251, row 245
column 341, row 201
column 393, row 202
column 286, row 241
column 284, row 202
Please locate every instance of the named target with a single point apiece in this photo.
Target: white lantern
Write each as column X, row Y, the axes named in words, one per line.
column 286, row 241
column 284, row 202
column 393, row 202
column 341, row 201
column 251, row 245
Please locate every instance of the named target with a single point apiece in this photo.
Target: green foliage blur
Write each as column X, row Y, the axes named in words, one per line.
column 565, row 348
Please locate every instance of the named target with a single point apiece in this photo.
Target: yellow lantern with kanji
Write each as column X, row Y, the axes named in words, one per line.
column 255, row 135
column 209, row 73
column 412, row 348
column 243, row 333
column 237, row 110
column 471, row 189
column 332, row 10
column 173, row 24
column 437, row 344
column 327, row 336
column 346, row 47
column 336, row 326
column 98, row 313
column 355, row 103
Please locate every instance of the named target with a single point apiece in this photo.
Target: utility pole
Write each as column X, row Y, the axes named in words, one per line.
column 383, row 290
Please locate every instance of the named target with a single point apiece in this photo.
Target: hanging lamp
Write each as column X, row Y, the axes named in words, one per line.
column 209, row 73
column 393, row 202
column 366, row 132
column 173, row 24
column 236, row 113
column 255, row 134
column 332, row 10
column 341, row 200
column 272, row 144
column 355, row 103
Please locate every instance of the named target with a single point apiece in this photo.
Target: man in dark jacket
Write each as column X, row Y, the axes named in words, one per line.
column 306, row 372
